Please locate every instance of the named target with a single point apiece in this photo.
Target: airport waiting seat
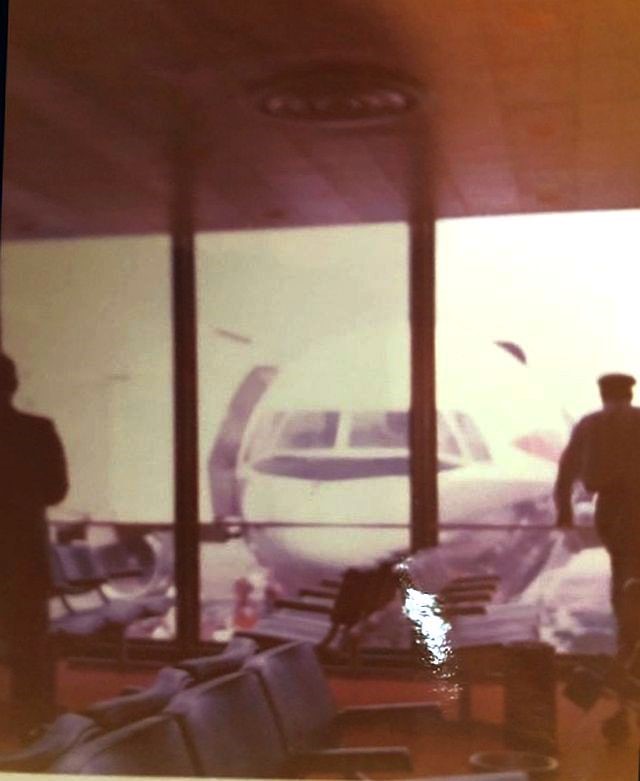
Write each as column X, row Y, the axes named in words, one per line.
column 328, row 588
column 127, row 708
column 152, row 746
column 223, row 727
column 299, row 693
column 87, row 611
column 138, row 704
column 232, row 657
column 485, row 579
column 500, row 625
column 318, row 621
column 232, row 728
column 65, row 623
column 468, row 595
column 227, row 746
column 79, row 612
column 330, row 622
column 118, row 560
column 454, row 594
column 66, row 732
column 83, row 570
column 71, row 729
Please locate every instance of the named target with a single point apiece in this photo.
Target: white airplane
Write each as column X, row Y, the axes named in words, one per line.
column 322, row 470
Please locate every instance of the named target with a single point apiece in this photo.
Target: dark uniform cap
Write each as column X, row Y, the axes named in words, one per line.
column 616, row 384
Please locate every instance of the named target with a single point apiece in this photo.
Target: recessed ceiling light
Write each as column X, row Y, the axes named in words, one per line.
column 337, row 94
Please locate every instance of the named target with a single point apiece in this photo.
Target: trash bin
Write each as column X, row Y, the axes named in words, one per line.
column 530, row 698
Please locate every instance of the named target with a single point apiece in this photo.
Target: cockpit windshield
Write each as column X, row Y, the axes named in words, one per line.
column 379, row 429
column 286, row 431
column 278, row 432
column 304, row 430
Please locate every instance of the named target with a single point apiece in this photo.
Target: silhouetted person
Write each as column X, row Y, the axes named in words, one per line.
column 33, row 475
column 604, row 454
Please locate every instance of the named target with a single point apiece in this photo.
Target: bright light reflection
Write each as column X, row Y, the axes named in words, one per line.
column 433, row 630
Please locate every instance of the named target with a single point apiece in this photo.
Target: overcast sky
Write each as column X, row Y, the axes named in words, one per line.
column 565, row 286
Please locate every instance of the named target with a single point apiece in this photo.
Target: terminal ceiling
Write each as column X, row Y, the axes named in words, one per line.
column 530, row 105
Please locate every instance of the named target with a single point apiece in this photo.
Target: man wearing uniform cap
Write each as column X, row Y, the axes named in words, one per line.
column 604, row 454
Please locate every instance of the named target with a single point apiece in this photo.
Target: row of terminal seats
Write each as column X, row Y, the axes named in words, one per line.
column 340, row 618
column 236, row 714
column 336, row 616
column 333, row 615
column 479, row 616
column 80, row 608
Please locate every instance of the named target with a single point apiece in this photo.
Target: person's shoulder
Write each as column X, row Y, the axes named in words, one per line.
column 588, row 420
column 634, row 417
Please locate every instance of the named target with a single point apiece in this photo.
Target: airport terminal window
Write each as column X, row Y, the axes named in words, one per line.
column 379, row 429
column 327, row 310
column 88, row 323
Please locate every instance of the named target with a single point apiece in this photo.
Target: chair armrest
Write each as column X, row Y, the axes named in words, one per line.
column 401, row 713
column 299, row 604
column 447, row 597
column 320, row 593
column 351, row 760
column 479, row 583
column 59, row 737
column 463, row 609
column 465, row 579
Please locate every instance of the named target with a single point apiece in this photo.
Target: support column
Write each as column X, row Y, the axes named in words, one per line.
column 186, row 467
column 423, row 439
column 4, row 25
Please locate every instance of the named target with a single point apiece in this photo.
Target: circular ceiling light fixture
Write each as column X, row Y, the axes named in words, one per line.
column 337, row 94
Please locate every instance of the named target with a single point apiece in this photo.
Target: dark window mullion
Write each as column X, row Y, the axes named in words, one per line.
column 185, row 347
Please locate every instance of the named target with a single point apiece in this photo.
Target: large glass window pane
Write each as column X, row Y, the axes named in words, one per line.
column 539, row 307
column 304, row 391
column 88, row 323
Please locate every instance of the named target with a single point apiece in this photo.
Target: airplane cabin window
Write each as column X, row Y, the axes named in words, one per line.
column 472, row 437
column 379, row 429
